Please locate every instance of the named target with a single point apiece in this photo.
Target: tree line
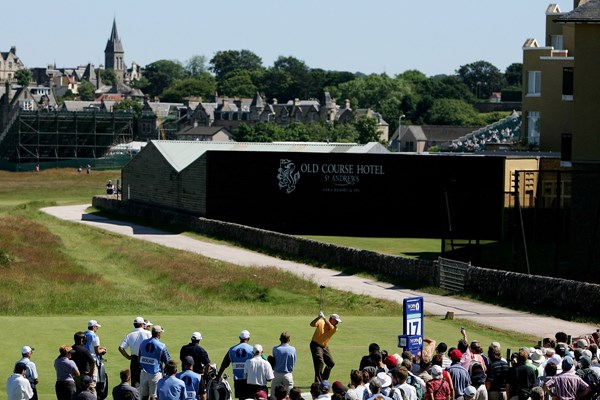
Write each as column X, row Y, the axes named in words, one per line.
column 442, row 99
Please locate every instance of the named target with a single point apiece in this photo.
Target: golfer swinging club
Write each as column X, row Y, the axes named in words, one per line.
column 319, row 346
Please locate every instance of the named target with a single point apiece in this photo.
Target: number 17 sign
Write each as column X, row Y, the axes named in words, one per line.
column 412, row 338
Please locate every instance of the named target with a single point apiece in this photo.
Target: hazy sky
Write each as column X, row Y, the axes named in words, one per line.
column 392, row 36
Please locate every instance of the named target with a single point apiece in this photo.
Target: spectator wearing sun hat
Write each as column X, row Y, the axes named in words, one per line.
column 437, row 387
column 132, row 341
column 376, row 385
column 197, row 352
column 468, row 393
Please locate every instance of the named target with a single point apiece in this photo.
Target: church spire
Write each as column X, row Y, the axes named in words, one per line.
column 113, row 53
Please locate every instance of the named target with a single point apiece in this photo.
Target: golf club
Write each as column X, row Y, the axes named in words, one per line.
column 321, row 303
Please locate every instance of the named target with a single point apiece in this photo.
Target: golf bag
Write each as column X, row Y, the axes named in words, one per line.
column 215, row 389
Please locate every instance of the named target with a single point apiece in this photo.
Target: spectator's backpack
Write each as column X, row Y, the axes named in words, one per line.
column 413, row 381
column 592, row 379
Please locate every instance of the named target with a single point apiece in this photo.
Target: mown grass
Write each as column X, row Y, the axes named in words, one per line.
column 56, row 275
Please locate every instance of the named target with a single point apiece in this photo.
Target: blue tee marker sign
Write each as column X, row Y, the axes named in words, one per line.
column 412, row 337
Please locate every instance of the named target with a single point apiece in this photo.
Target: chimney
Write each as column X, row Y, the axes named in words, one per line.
column 13, row 50
column 274, row 101
column 347, row 105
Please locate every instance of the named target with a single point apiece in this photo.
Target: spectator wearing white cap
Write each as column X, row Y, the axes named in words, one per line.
column 153, row 356
column 93, row 345
column 197, row 352
column 468, row 394
column 236, row 356
column 257, row 371
column 323, row 361
column 31, row 372
column 437, row 387
column 132, row 341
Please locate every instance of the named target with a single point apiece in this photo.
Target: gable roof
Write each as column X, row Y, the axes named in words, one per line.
column 587, row 12
column 204, row 131
column 181, row 153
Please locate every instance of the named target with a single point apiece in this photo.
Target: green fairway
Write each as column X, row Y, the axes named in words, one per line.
column 57, row 275
column 46, row 334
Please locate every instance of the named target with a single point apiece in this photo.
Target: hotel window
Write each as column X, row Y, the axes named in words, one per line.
column 567, row 84
column 533, row 127
column 556, row 41
column 534, row 83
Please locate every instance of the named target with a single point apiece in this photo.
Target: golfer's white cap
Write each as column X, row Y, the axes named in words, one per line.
column 196, row 336
column 26, row 349
column 138, row 320
column 93, row 322
column 244, row 334
column 336, row 317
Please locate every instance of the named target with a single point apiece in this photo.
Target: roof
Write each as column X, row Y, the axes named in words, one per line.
column 113, row 45
column 586, row 12
column 204, row 130
column 181, row 153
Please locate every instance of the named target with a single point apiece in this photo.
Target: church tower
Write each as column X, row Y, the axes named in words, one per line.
column 113, row 53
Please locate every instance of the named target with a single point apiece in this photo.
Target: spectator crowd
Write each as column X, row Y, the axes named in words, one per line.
column 557, row 369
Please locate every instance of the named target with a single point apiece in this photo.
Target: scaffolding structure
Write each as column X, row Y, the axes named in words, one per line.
column 38, row 136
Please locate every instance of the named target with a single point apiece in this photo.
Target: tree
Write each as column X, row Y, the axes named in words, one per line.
column 162, row 74
column 482, row 78
column 514, row 74
column 224, row 62
column 202, row 85
column 367, row 129
column 108, row 76
column 237, row 83
column 86, row 91
column 196, row 65
column 129, row 105
column 452, row 112
column 23, row 76
column 289, row 78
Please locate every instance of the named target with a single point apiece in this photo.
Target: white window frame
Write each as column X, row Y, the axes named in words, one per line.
column 556, row 41
column 534, row 83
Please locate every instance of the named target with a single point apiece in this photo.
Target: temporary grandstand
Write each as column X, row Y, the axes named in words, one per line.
column 39, row 136
column 504, row 132
column 36, row 132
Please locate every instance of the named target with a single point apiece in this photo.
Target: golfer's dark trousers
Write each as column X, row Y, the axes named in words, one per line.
column 322, row 361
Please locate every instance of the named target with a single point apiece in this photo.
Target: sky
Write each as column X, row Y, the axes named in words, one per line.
column 376, row 36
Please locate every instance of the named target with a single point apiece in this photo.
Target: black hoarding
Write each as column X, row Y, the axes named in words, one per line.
column 387, row 195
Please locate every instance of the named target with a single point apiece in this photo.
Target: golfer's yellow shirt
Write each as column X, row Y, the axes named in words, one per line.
column 323, row 333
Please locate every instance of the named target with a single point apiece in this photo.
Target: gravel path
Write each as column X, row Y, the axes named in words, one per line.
column 490, row 315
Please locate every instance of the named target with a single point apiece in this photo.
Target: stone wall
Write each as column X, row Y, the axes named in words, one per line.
column 578, row 298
